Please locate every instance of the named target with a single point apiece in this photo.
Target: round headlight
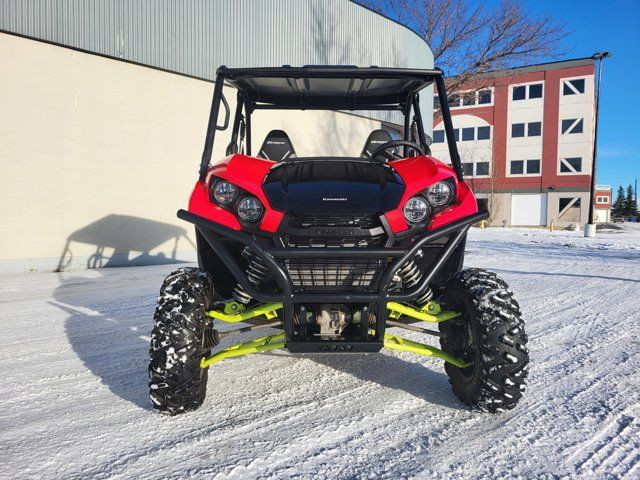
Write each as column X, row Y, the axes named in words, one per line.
column 250, row 209
column 225, row 193
column 439, row 194
column 416, row 210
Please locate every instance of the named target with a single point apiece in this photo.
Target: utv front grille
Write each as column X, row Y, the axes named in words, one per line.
column 357, row 221
column 336, row 242
column 328, row 274
column 334, row 232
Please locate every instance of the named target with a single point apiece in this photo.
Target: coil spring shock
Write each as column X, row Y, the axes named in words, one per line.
column 408, row 276
column 256, row 273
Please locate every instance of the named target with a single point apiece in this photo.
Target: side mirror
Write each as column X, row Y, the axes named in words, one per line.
column 428, row 139
column 227, row 111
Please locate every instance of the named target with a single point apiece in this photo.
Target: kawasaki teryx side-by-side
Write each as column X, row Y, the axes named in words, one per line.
column 332, row 251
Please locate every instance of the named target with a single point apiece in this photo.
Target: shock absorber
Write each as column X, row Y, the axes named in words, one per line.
column 256, row 273
column 408, row 276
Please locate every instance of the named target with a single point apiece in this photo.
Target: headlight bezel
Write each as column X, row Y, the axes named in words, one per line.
column 417, row 199
column 215, row 193
column 258, row 203
column 433, row 209
column 449, row 195
column 232, row 207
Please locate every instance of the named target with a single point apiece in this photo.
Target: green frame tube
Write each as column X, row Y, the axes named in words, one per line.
column 264, row 344
column 395, row 342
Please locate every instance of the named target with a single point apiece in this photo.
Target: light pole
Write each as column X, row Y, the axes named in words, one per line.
column 590, row 228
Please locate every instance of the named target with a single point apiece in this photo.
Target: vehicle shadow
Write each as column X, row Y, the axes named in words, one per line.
column 395, row 373
column 108, row 314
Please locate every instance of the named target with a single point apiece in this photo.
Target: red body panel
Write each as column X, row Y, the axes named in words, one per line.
column 245, row 172
column 418, row 173
column 248, row 173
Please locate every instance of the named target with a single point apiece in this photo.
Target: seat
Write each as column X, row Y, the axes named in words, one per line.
column 374, row 140
column 277, row 146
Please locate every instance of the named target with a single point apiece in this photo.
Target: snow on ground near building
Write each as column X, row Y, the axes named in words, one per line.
column 74, row 383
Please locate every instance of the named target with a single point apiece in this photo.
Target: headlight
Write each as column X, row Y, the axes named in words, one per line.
column 416, row 209
column 439, row 194
column 250, row 209
column 225, row 193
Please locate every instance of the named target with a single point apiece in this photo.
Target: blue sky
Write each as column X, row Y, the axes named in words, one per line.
column 612, row 25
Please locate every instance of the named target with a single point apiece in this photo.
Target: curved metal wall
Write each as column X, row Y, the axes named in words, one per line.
column 194, row 37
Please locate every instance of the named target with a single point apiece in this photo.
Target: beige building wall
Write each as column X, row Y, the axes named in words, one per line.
column 97, row 155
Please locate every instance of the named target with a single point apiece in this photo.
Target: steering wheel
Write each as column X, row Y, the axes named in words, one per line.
column 382, row 149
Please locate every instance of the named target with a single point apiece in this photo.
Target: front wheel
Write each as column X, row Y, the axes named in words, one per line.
column 490, row 336
column 177, row 384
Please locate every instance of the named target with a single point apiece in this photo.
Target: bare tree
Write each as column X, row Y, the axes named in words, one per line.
column 470, row 38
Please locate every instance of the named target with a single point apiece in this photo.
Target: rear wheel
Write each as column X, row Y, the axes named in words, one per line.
column 490, row 335
column 178, row 341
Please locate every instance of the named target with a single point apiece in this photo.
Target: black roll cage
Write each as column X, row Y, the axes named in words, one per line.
column 250, row 98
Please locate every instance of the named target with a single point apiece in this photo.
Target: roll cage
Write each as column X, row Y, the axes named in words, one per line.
column 346, row 88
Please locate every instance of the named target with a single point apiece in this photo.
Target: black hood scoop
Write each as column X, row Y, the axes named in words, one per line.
column 333, row 187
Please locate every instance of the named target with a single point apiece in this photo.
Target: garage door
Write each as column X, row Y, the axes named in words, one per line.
column 529, row 209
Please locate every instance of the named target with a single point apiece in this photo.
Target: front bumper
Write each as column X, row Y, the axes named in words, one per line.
column 377, row 298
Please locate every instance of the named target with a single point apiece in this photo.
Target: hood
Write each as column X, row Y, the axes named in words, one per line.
column 333, row 187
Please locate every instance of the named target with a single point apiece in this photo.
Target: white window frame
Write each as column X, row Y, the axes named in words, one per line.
column 524, row 168
column 569, row 79
column 475, row 163
column 574, row 172
column 526, row 130
column 527, row 88
column 602, row 198
column 573, row 125
column 475, row 134
column 462, row 93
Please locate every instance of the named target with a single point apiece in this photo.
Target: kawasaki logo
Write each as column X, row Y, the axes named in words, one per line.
column 334, row 199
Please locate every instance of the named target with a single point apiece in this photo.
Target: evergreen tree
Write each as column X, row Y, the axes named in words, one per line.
column 617, row 209
column 630, row 207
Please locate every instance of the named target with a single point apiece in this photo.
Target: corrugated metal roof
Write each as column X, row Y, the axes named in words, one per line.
column 195, row 37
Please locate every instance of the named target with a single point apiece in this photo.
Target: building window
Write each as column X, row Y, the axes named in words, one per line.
column 569, row 209
column 602, row 199
column 534, row 129
column 484, row 133
column 535, row 90
column 517, row 130
column 482, row 169
column 478, row 169
column 533, row 167
column 520, row 93
column 571, row 165
column 469, row 99
column 484, row 97
column 524, row 92
column 456, row 134
column 438, row 136
column 573, row 87
column 572, row 125
column 524, row 167
column 468, row 134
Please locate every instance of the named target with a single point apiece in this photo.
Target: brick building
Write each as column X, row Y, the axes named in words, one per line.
column 525, row 136
column 603, row 198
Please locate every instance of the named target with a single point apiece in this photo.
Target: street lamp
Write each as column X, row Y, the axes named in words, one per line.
column 590, row 228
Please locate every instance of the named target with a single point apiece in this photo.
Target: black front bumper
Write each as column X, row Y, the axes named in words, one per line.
column 270, row 256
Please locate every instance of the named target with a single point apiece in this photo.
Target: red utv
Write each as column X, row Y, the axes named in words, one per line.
column 333, row 251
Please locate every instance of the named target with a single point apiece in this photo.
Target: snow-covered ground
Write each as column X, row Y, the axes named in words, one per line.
column 73, row 384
